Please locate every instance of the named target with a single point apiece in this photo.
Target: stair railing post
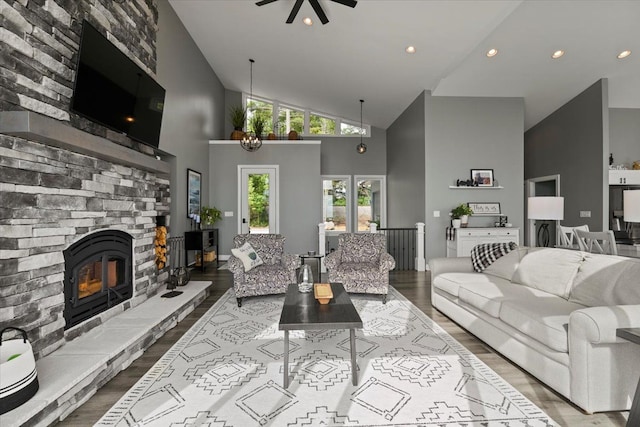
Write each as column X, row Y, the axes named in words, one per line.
column 322, row 245
column 421, row 263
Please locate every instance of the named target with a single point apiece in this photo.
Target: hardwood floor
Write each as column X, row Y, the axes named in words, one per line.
column 415, row 287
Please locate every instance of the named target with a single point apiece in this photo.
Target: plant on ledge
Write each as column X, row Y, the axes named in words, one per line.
column 461, row 210
column 209, row 215
column 258, row 123
column 238, row 117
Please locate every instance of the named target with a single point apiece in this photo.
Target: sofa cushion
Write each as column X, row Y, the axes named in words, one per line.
column 544, row 318
column 248, row 256
column 605, row 280
column 488, row 296
column 551, row 270
column 506, row 265
column 485, row 254
column 450, row 282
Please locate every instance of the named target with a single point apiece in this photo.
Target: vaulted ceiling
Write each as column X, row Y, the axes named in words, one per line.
column 360, row 53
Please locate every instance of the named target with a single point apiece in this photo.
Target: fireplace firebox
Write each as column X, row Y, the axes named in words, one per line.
column 98, row 274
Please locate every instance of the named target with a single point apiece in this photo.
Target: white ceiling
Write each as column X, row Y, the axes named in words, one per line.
column 360, row 53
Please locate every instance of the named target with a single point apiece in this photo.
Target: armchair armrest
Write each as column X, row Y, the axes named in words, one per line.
column 290, row 261
column 597, row 325
column 387, row 262
column 448, row 265
column 332, row 260
column 235, row 265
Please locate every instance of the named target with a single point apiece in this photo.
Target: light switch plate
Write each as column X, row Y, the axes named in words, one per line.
column 436, row 214
column 585, row 214
column 228, row 213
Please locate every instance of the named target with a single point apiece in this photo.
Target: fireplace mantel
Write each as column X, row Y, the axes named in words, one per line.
column 43, row 129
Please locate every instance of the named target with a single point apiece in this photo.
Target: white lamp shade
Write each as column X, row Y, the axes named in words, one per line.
column 631, row 200
column 551, row 208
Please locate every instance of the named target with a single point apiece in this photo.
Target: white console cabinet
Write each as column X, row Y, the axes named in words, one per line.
column 467, row 238
column 624, row 177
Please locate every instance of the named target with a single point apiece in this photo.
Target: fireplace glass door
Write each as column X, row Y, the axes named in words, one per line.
column 99, row 275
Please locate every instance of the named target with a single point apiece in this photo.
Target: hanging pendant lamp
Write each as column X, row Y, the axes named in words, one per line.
column 362, row 147
column 251, row 142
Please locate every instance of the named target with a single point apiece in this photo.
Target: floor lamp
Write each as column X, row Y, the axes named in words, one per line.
column 631, row 206
column 545, row 208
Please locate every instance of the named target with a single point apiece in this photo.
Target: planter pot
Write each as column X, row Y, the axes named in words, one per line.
column 237, row 135
column 464, row 221
column 455, row 223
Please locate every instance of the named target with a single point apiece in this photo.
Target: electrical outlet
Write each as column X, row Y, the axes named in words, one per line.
column 585, row 214
column 436, row 214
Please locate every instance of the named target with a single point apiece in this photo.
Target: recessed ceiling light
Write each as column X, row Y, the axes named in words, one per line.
column 557, row 54
column 624, row 54
column 307, row 21
column 491, row 53
column 410, row 49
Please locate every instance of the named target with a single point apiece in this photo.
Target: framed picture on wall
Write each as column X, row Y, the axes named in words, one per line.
column 484, row 177
column 485, row 208
column 194, row 192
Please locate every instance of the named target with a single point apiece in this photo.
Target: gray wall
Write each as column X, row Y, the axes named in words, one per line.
column 624, row 135
column 574, row 142
column 339, row 155
column 194, row 110
column 406, row 166
column 300, row 190
column 464, row 133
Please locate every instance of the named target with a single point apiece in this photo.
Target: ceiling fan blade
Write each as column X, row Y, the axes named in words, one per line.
column 294, row 11
column 350, row 3
column 318, row 9
column 263, row 2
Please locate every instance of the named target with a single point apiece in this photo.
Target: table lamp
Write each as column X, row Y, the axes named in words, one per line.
column 545, row 208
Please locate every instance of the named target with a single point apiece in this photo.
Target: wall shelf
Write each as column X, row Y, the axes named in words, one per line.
column 462, row 187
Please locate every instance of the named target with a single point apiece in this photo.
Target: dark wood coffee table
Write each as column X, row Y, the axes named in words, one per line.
column 633, row 335
column 301, row 311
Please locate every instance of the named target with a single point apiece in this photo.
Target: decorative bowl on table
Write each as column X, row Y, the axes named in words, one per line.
column 311, row 253
column 323, row 292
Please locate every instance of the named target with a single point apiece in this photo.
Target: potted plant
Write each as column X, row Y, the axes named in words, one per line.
column 209, row 216
column 460, row 215
column 238, row 116
column 258, row 124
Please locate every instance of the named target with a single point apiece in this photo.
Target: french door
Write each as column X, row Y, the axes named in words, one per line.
column 258, row 200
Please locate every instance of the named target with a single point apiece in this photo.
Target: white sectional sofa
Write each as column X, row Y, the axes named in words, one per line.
column 554, row 312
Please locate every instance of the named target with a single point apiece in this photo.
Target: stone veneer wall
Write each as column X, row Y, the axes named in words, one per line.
column 50, row 197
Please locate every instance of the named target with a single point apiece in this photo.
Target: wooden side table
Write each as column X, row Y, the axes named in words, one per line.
column 633, row 335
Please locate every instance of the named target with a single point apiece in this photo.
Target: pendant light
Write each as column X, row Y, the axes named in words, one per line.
column 251, row 142
column 362, row 147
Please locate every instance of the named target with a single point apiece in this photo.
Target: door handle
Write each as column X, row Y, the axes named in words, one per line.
column 244, row 220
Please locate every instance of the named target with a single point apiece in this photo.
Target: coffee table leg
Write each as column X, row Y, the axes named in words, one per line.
column 286, row 359
column 354, row 367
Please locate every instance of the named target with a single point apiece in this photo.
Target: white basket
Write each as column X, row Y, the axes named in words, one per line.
column 18, row 376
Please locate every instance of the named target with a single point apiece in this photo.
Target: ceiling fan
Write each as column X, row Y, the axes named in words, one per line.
column 316, row 7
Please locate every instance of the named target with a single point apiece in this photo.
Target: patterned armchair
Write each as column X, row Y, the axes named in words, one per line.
column 361, row 263
column 272, row 277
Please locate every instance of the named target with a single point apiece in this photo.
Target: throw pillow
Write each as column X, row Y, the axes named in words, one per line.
column 248, row 256
column 484, row 254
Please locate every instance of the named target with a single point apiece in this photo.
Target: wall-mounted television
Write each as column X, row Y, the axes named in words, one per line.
column 112, row 90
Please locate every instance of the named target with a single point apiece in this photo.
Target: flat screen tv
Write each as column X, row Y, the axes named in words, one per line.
column 112, row 90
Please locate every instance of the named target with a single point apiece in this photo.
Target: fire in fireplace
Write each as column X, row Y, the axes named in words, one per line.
column 98, row 274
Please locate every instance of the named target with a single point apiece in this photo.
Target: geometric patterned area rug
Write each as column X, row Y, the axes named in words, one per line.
column 227, row 370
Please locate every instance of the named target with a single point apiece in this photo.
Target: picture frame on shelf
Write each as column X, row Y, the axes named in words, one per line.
column 482, row 177
column 194, row 192
column 485, row 208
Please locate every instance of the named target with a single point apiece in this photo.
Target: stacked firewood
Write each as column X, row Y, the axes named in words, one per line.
column 161, row 246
